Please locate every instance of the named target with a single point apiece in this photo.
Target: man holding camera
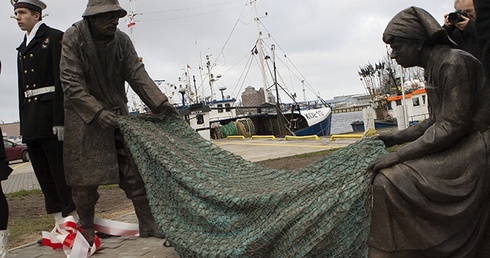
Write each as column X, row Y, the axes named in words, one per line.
column 460, row 26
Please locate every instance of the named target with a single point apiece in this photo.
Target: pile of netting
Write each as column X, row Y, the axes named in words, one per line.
column 244, row 127
column 212, row 203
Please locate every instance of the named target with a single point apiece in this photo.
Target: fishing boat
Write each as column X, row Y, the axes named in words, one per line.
column 280, row 113
column 358, row 126
column 398, row 95
column 209, row 115
column 410, row 108
column 401, row 110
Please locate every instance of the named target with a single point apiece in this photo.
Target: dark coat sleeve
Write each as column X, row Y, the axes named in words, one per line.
column 482, row 8
column 2, row 148
column 20, row 92
column 4, row 168
column 58, row 111
column 138, row 78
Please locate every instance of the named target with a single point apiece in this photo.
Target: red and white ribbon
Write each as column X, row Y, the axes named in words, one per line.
column 66, row 235
column 116, row 228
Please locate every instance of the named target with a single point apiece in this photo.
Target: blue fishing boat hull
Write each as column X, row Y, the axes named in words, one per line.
column 321, row 128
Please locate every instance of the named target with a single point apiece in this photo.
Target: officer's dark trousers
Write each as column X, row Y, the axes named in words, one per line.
column 47, row 160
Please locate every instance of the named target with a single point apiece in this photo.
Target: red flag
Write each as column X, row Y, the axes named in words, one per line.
column 131, row 23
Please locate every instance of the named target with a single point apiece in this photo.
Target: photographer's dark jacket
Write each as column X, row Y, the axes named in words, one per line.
column 465, row 40
column 38, row 68
column 482, row 8
column 5, row 170
column 92, row 83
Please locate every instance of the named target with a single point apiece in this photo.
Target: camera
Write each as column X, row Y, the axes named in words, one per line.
column 455, row 17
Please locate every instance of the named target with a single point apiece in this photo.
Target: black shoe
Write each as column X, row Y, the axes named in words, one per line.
column 40, row 241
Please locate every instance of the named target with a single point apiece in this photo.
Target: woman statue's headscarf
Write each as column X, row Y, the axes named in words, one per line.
column 416, row 23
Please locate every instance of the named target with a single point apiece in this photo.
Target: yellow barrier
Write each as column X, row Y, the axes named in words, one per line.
column 301, row 137
column 344, row 136
column 235, row 137
column 263, row 136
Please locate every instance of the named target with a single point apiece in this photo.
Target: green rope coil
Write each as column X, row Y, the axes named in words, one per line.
column 229, row 129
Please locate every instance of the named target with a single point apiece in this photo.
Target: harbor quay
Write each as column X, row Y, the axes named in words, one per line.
column 255, row 150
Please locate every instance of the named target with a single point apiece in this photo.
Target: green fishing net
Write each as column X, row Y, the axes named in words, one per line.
column 212, row 203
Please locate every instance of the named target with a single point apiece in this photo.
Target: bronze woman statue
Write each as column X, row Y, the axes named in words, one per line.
column 430, row 197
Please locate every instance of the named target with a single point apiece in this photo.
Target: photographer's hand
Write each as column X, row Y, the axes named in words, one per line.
column 462, row 24
column 446, row 21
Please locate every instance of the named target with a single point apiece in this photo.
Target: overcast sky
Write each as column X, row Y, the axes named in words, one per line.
column 325, row 40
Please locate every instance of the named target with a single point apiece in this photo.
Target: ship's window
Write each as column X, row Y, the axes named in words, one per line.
column 416, row 102
column 200, row 119
column 399, row 102
column 389, row 105
column 423, row 100
column 227, row 106
column 220, row 106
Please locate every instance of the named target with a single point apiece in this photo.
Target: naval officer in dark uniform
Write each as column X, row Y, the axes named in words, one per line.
column 41, row 104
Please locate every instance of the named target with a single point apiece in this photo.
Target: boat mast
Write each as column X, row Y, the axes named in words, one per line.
column 260, row 51
column 131, row 22
column 137, row 105
column 210, row 77
column 404, row 101
column 280, row 117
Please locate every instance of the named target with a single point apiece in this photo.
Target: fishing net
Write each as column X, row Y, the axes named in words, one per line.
column 212, row 203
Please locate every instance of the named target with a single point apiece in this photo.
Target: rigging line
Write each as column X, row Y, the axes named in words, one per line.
column 308, row 85
column 249, row 62
column 234, row 93
column 301, row 77
column 290, row 77
column 188, row 16
column 228, row 39
column 279, row 74
column 229, row 36
column 226, row 42
column 193, row 8
column 284, row 89
column 232, row 67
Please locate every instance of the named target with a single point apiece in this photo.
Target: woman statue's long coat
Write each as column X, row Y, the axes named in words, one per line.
column 436, row 200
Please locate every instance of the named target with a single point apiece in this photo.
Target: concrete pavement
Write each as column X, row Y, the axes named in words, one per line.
column 255, row 150
column 22, row 178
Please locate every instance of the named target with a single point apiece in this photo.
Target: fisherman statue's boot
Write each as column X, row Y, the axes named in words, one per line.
column 4, row 234
column 147, row 225
column 85, row 200
column 86, row 223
